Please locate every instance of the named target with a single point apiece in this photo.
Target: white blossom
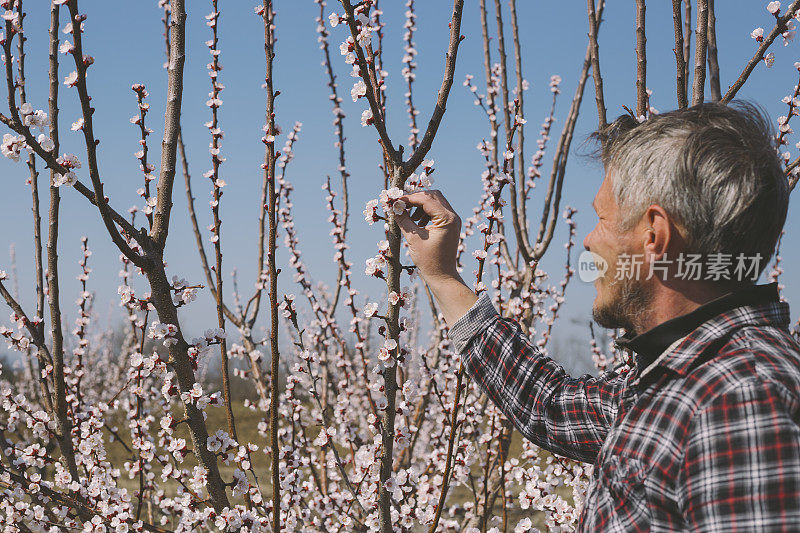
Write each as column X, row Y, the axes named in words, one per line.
column 370, row 309
column 358, row 90
column 774, row 7
column 71, row 79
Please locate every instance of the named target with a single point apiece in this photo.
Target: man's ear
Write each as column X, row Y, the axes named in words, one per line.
column 658, row 231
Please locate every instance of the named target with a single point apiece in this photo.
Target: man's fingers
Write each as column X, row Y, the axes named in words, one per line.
column 432, row 203
column 420, row 217
column 407, row 226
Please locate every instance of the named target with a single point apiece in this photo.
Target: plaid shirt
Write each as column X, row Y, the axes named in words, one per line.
column 705, row 438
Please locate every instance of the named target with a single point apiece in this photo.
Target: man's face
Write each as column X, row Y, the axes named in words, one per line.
column 619, row 301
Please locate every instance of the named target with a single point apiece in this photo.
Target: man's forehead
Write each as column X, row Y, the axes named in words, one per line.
column 603, row 193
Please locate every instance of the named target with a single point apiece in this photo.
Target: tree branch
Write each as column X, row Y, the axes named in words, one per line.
column 641, row 60
column 680, row 60
column 687, row 41
column 713, row 61
column 701, row 44
column 172, row 117
column 59, row 383
column 594, row 21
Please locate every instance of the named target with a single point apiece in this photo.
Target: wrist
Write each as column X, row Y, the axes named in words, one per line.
column 441, row 276
column 454, row 297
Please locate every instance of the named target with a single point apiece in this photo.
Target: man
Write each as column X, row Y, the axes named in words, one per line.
column 702, row 433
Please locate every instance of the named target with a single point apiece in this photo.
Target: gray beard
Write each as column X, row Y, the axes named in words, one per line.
column 631, row 301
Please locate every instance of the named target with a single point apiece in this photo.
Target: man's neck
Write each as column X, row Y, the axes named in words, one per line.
column 670, row 302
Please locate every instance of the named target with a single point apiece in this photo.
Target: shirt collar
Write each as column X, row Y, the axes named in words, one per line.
column 648, row 346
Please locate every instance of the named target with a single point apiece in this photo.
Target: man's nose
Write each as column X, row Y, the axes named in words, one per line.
column 587, row 241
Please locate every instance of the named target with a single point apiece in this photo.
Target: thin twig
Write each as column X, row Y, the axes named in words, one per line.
column 15, row 124
column 779, row 28
column 109, row 215
column 520, row 153
column 34, row 175
column 441, row 98
column 36, row 336
column 490, row 93
column 37, row 219
column 271, row 207
column 339, row 123
column 343, row 272
column 378, row 115
column 324, row 412
column 216, row 161
column 547, row 226
column 81, row 65
column 450, row 445
column 408, row 73
column 511, row 125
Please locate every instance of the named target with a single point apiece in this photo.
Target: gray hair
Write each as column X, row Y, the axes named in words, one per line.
column 714, row 168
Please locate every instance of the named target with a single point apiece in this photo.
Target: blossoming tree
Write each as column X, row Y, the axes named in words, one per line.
column 364, row 427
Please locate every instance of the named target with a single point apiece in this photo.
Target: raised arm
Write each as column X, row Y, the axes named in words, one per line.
column 565, row 415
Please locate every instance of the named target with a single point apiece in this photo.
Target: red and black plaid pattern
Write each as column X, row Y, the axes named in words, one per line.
column 706, row 439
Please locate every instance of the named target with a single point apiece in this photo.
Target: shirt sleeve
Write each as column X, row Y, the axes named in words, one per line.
column 565, row 415
column 742, row 462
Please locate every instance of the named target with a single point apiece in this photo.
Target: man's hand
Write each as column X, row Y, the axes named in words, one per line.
column 432, row 233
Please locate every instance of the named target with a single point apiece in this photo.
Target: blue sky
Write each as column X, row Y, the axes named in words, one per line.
column 126, row 41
